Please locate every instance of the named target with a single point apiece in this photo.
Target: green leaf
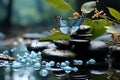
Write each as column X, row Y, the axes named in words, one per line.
column 114, row 13
column 97, row 26
column 59, row 4
column 56, row 36
column 88, row 6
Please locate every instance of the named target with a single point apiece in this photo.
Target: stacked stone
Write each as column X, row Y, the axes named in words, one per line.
column 80, row 42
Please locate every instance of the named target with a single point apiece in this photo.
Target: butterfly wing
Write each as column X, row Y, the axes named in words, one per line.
column 76, row 24
column 64, row 26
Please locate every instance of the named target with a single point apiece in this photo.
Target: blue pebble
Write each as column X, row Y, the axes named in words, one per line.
column 52, row 63
column 23, row 60
column 13, row 49
column 26, row 54
column 75, row 69
column 67, row 62
column 63, row 64
column 43, row 72
column 91, row 61
column 33, row 55
column 43, row 63
column 28, row 59
column 48, row 65
column 27, row 65
column 5, row 63
column 77, row 62
column 58, row 64
column 37, row 66
column 67, row 69
column 19, row 58
column 5, row 52
column 80, row 62
column 16, row 66
column 39, row 54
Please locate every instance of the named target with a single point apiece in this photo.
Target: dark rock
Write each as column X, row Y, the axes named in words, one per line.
column 39, row 46
column 99, row 50
column 116, row 57
column 82, row 74
column 83, row 29
column 58, row 55
column 62, row 44
column 80, row 42
column 81, row 36
column 98, row 45
column 6, row 58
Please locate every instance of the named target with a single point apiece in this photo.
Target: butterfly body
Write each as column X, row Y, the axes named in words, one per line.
column 66, row 28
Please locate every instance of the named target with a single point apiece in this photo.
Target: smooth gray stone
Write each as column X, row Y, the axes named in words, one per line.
column 97, row 45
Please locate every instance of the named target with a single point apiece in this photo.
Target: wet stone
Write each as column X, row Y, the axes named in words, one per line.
column 6, row 57
column 81, row 36
column 79, row 44
column 83, row 29
column 99, row 50
column 58, row 55
column 62, row 44
column 39, row 46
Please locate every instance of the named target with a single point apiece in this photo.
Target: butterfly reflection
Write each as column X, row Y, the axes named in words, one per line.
column 65, row 27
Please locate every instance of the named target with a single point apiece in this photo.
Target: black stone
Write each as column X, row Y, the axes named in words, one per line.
column 6, row 58
column 82, row 74
column 116, row 57
column 58, row 55
column 83, row 29
column 81, row 36
column 81, row 42
column 38, row 46
column 61, row 44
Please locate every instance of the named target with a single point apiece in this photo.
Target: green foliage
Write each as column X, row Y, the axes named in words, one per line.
column 97, row 26
column 56, row 36
column 114, row 13
column 59, row 4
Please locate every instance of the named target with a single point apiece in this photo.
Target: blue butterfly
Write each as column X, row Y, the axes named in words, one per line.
column 65, row 27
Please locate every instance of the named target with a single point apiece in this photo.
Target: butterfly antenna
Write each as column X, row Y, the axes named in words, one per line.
column 57, row 20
